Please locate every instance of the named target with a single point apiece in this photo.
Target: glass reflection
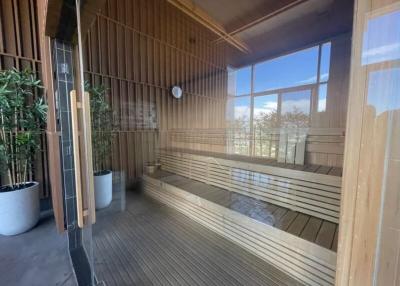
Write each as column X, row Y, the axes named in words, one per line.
column 325, row 62
column 265, row 118
column 296, row 107
column 238, row 115
column 378, row 45
column 299, row 68
column 322, row 94
column 383, row 90
column 239, row 81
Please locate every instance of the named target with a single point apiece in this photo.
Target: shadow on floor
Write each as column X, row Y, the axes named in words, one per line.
column 36, row 258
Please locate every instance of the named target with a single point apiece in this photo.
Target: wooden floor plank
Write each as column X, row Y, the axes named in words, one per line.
column 311, row 229
column 279, row 213
column 335, row 240
column 297, row 226
column 326, row 234
column 286, row 220
column 323, row 170
column 151, row 244
column 335, row 171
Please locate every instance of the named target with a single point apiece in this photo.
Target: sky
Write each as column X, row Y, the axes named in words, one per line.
column 287, row 71
column 295, row 69
column 382, row 39
column 384, row 90
column 381, row 43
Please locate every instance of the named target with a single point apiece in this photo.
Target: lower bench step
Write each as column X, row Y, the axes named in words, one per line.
column 305, row 261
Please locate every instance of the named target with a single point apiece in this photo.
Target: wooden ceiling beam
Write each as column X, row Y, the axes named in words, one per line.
column 262, row 19
column 199, row 15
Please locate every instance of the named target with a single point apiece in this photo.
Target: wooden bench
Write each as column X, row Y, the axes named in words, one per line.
column 305, row 191
column 286, row 239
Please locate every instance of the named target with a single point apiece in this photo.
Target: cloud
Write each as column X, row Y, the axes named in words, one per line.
column 267, row 107
column 321, row 104
column 312, row 79
column 380, row 54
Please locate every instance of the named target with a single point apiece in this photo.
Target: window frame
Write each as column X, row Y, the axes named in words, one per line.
column 313, row 87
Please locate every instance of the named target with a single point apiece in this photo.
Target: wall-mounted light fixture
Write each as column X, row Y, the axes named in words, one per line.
column 176, row 92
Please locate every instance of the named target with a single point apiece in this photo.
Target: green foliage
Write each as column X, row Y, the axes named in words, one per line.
column 102, row 127
column 22, row 120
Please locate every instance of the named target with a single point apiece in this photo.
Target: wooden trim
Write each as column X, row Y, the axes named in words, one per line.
column 198, row 14
column 365, row 164
column 77, row 160
column 264, row 18
column 88, row 157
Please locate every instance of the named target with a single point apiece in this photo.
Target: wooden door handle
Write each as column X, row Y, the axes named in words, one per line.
column 83, row 171
column 77, row 159
column 88, row 154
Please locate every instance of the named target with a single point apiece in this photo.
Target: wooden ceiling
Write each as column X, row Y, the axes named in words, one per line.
column 259, row 24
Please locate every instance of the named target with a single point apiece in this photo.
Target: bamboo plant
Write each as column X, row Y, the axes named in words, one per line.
column 22, row 121
column 102, row 127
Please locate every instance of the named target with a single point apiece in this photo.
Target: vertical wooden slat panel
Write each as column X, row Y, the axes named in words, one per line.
column 142, row 48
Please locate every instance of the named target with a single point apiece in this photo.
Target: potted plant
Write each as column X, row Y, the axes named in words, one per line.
column 22, row 120
column 102, row 137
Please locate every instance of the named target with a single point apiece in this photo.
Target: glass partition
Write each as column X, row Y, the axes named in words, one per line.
column 283, row 92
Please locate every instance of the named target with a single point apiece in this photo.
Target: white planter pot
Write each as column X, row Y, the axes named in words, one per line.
column 19, row 210
column 103, row 190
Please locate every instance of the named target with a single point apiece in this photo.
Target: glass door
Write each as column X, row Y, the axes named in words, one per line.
column 99, row 185
column 73, row 110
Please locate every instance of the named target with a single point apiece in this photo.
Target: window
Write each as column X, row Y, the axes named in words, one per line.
column 378, row 44
column 322, row 92
column 238, row 113
column 240, row 81
column 324, row 76
column 265, row 119
column 284, row 93
column 325, row 62
column 296, row 107
column 296, row 69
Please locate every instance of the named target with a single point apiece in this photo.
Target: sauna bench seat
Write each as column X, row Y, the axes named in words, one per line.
column 309, row 168
column 301, row 245
column 314, row 194
column 316, row 230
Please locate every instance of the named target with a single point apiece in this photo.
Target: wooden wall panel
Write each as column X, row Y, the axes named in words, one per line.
column 139, row 49
column 20, row 48
column 368, row 249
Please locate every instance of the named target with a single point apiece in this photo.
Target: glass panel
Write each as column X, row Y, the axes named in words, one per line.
column 376, row 76
column 295, row 110
column 299, row 68
column 325, row 62
column 86, row 169
column 265, row 121
column 322, row 95
column 238, row 114
column 379, row 46
column 239, row 81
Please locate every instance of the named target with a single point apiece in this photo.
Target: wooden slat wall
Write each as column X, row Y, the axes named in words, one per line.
column 139, row 49
column 20, row 48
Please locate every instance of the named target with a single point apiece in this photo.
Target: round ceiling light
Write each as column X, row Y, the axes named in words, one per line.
column 177, row 92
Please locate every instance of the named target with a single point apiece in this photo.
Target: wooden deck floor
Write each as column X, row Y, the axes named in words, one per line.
column 316, row 230
column 152, row 244
column 318, row 169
